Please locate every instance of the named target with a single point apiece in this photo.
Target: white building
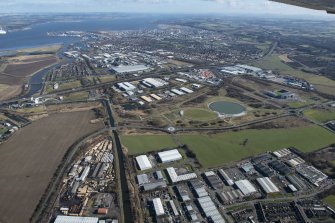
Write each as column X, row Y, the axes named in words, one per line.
column 84, row 174
column 130, row 68
column 175, row 178
column 158, row 206
column 143, row 162
column 246, row 187
column 267, row 185
column 154, row 82
column 74, row 219
column 169, row 156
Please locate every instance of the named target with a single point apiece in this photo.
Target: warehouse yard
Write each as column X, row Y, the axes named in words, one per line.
column 30, row 158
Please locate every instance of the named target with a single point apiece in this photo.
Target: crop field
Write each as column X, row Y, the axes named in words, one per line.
column 224, row 148
column 30, row 158
column 320, row 115
column 323, row 84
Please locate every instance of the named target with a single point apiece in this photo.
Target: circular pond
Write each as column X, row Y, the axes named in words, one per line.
column 227, row 109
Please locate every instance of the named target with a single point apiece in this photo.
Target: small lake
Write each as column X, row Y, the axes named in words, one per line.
column 227, row 108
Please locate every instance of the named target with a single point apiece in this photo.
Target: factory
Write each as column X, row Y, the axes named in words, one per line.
column 267, row 185
column 312, row 174
column 282, row 153
column 281, row 94
column 225, row 176
column 186, row 90
column 129, row 69
column 74, row 219
column 245, row 187
column 182, row 193
column 175, row 178
column 209, row 209
column 227, row 197
column 158, row 206
column 295, row 162
column 126, row 86
column 143, row 162
column 169, row 156
column 198, row 188
column 153, row 82
column 142, row 179
column 213, row 180
column 280, row 167
column 177, row 92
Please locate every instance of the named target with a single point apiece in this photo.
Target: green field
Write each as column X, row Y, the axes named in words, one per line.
column 77, row 96
column 199, row 114
column 274, row 63
column 224, row 148
column 330, row 200
column 146, row 143
column 319, row 115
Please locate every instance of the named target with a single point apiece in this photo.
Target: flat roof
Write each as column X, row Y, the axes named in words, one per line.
column 75, row 219
column 158, row 206
column 170, row 155
column 130, row 68
column 267, row 185
column 246, row 187
column 143, row 162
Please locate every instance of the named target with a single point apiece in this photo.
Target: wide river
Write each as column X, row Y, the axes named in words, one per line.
column 37, row 34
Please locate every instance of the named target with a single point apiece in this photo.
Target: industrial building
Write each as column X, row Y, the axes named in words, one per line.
column 230, row 196
column 282, row 153
column 156, row 97
column 177, row 92
column 129, row 69
column 84, row 174
column 267, row 185
column 142, row 179
column 186, row 90
column 296, row 182
column 143, row 162
column 280, row 167
column 126, row 86
column 169, row 156
column 281, row 94
column 182, row 193
column 264, row 170
column 153, row 82
column 209, row 209
column 225, row 176
column 312, row 174
column 158, row 206
column 74, row 219
column 245, row 187
column 174, row 177
column 147, row 99
column 295, row 162
column 154, row 185
column 214, row 181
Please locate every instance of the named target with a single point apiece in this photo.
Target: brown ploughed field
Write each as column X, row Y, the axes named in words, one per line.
column 30, row 158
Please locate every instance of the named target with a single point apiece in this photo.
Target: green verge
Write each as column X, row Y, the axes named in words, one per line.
column 138, row 144
column 319, row 115
column 330, row 200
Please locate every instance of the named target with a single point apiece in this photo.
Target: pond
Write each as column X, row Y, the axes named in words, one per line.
column 227, row 109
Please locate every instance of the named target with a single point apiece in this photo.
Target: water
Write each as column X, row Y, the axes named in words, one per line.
column 227, row 108
column 37, row 35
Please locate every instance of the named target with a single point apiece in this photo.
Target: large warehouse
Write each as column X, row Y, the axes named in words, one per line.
column 158, row 206
column 143, row 162
column 154, row 82
column 130, row 68
column 169, row 156
column 246, row 187
column 267, row 185
column 210, row 210
column 174, row 177
column 72, row 219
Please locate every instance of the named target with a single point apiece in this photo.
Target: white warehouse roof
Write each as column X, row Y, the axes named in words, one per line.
column 143, row 162
column 246, row 187
column 170, row 156
column 175, row 178
column 158, row 206
column 267, row 185
column 73, row 219
column 130, row 68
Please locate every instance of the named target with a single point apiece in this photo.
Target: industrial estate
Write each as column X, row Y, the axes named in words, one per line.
column 190, row 120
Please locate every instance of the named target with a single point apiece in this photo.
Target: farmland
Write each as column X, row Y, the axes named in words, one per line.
column 30, row 158
column 224, row 148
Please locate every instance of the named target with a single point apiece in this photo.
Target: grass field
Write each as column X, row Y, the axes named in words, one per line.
column 330, row 200
column 77, row 96
column 146, row 143
column 199, row 114
column 320, row 115
column 224, row 148
column 30, row 157
column 274, row 63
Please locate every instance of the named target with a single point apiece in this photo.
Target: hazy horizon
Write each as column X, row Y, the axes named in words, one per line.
column 230, row 7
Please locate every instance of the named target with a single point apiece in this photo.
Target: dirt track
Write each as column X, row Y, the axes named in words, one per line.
column 30, row 157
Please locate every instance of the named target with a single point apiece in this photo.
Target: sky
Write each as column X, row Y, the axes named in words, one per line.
column 156, row 6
